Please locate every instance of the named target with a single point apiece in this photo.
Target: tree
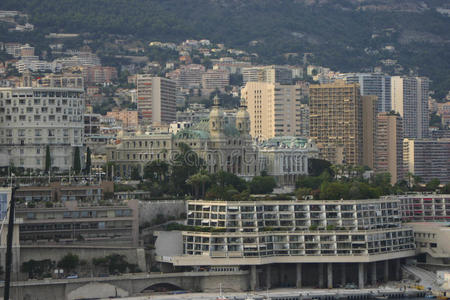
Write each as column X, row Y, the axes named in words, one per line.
column 37, row 268
column 262, row 185
column 198, row 180
column 446, row 189
column 433, row 184
column 77, row 161
column 48, row 160
column 318, row 166
column 115, row 263
column 156, row 170
column 186, row 163
column 135, row 173
column 88, row 161
column 301, row 193
column 69, row 262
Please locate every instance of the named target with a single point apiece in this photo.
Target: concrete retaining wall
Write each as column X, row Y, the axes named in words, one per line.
column 56, row 253
column 148, row 210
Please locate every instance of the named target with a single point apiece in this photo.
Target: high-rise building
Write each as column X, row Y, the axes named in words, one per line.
column 409, row 96
column 304, row 120
column 32, row 118
column 389, row 145
column 373, row 84
column 336, row 121
column 427, row 158
column 156, row 100
column 272, row 74
column 369, row 124
column 274, row 109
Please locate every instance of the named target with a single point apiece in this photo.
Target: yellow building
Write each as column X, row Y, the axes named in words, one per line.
column 274, row 109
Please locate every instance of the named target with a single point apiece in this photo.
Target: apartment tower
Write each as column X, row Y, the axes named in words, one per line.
column 156, row 100
column 389, row 145
column 373, row 84
column 369, row 124
column 427, row 158
column 336, row 121
column 274, row 109
column 409, row 96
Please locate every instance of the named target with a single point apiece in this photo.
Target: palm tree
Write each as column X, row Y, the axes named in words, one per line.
column 200, row 178
column 194, row 181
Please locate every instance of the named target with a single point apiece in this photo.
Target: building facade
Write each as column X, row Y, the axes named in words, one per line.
column 156, row 100
column 129, row 118
column 215, row 79
column 279, row 235
column 336, row 122
column 32, row 118
column 275, row 110
column 74, row 222
column 373, row 84
column 286, row 158
column 222, row 145
column 369, row 125
column 389, row 146
column 270, row 74
column 424, row 207
column 409, row 96
column 427, row 158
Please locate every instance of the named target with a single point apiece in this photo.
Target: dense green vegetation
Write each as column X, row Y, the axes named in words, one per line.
column 348, row 182
column 187, row 176
column 337, row 33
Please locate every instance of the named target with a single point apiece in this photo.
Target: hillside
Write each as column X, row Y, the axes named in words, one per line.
column 347, row 35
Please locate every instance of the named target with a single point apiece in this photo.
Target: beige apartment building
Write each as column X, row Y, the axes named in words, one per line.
column 274, row 109
column 156, row 100
column 389, row 146
column 369, row 124
column 336, row 122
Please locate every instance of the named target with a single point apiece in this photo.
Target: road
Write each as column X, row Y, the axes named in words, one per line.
column 427, row 278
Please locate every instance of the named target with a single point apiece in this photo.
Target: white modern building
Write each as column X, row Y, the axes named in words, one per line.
column 290, row 241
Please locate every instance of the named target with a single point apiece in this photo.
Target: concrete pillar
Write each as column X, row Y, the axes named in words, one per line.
column 386, row 271
column 330, row 275
column 321, row 283
column 361, row 275
column 299, row 276
column 343, row 274
column 398, row 274
column 269, row 276
column 253, row 278
column 373, row 276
